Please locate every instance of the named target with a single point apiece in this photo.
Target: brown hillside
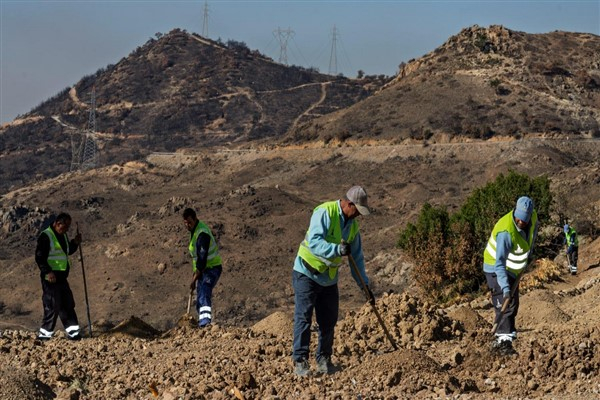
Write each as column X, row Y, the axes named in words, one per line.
column 481, row 83
column 177, row 91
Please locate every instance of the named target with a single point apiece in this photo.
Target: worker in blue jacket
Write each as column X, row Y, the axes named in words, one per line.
column 332, row 234
column 509, row 248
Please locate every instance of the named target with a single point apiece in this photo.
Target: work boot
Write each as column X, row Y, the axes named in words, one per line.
column 503, row 347
column 302, row 368
column 573, row 269
column 324, row 365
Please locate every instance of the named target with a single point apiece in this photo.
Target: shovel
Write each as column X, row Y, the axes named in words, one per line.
column 366, row 291
column 189, row 303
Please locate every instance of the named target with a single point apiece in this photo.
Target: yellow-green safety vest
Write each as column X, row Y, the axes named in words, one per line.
column 570, row 235
column 519, row 253
column 213, row 259
column 58, row 260
column 334, row 235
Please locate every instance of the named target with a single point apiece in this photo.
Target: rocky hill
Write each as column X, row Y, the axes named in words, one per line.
column 481, row 83
column 177, row 91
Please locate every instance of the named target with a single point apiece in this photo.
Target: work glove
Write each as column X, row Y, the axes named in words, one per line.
column 505, row 295
column 370, row 296
column 345, row 249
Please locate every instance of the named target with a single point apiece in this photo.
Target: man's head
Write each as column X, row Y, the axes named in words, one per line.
column 523, row 211
column 61, row 223
column 189, row 219
column 566, row 228
column 355, row 202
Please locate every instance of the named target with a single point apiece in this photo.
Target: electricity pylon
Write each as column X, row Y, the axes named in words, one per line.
column 83, row 142
column 90, row 153
column 283, row 36
column 205, row 21
column 333, row 55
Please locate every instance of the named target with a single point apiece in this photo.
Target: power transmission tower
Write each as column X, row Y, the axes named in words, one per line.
column 283, row 36
column 205, row 21
column 90, row 153
column 333, row 55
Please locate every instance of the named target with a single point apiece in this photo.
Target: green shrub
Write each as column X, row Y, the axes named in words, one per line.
column 448, row 249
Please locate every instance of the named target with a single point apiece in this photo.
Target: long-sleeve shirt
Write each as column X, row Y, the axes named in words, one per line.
column 43, row 249
column 319, row 225
column 503, row 247
column 202, row 246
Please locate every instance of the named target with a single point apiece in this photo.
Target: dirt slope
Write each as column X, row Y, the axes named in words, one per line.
column 442, row 354
column 258, row 202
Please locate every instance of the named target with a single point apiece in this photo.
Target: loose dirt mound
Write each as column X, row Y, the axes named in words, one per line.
column 541, row 310
column 135, row 327
column 17, row 384
column 276, row 324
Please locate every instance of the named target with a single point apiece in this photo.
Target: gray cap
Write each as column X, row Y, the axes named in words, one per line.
column 358, row 196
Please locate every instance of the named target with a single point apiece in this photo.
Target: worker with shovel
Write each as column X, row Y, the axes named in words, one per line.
column 52, row 257
column 572, row 243
column 206, row 264
column 332, row 234
column 505, row 257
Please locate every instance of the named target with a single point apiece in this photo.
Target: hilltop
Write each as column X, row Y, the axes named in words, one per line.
column 177, row 91
column 482, row 83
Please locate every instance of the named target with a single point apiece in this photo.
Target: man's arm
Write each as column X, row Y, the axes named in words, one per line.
column 319, row 225
column 503, row 246
column 202, row 246
column 41, row 253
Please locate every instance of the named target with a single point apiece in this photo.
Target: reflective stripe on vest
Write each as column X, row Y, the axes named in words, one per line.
column 58, row 260
column 213, row 259
column 570, row 234
column 519, row 252
column 334, row 235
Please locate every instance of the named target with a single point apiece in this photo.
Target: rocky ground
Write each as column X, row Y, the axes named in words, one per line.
column 442, row 353
column 258, row 201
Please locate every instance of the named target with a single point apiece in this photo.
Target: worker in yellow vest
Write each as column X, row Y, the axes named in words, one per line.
column 572, row 243
column 206, row 264
column 505, row 257
column 332, row 234
column 52, row 257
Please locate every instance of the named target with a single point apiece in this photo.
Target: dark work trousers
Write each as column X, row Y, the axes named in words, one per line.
column 573, row 256
column 507, row 323
column 204, row 288
column 309, row 295
column 58, row 301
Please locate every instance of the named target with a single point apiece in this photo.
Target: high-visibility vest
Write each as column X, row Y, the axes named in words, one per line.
column 519, row 252
column 334, row 235
column 213, row 259
column 572, row 238
column 58, row 260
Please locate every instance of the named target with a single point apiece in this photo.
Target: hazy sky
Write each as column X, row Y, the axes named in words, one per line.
column 46, row 46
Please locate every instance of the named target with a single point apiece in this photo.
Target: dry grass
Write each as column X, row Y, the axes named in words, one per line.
column 544, row 271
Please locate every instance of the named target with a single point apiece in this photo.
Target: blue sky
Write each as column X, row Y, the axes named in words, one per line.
column 46, row 46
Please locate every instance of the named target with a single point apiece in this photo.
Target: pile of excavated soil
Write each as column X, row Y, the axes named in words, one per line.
column 441, row 354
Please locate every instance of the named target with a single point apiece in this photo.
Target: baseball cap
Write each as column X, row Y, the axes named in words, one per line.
column 358, row 196
column 524, row 209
